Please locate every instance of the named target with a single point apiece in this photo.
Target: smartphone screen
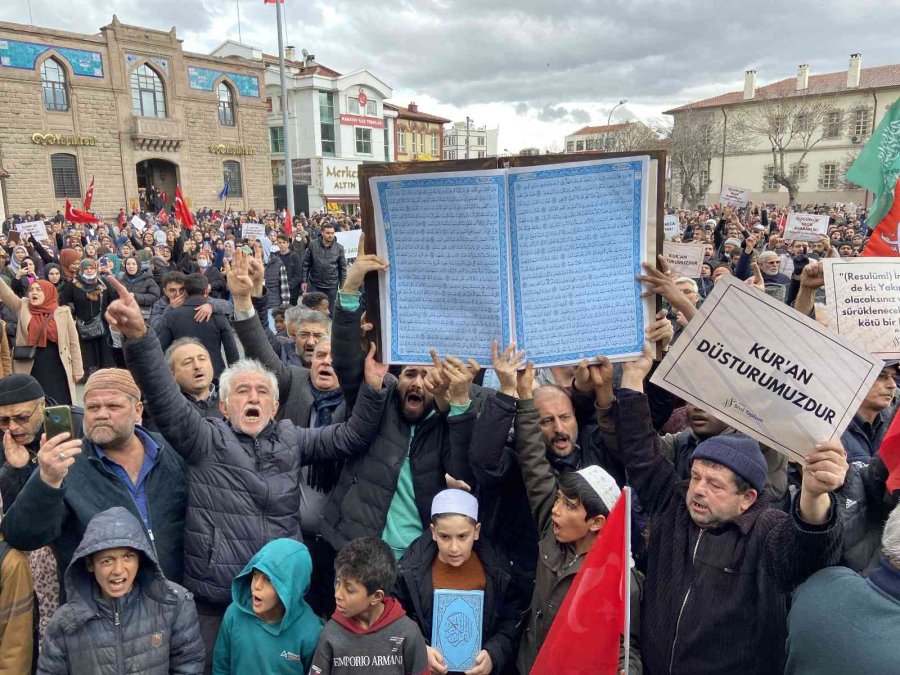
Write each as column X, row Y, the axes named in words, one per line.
column 58, row 420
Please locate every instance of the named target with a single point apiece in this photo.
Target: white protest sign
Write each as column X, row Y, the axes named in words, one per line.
column 806, row 226
column 350, row 241
column 734, row 196
column 671, row 227
column 862, row 296
column 35, row 228
column 768, row 371
column 138, row 224
column 684, row 260
column 255, row 230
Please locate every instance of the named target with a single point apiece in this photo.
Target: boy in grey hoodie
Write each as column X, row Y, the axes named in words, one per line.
column 369, row 633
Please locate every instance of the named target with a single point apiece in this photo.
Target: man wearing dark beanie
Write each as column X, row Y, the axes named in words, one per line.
column 21, row 423
column 721, row 562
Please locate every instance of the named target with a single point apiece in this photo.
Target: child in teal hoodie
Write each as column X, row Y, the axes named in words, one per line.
column 269, row 628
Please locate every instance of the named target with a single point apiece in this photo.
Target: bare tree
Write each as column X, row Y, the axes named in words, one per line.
column 695, row 137
column 630, row 137
column 791, row 126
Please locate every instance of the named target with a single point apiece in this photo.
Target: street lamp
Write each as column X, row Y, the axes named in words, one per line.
column 609, row 119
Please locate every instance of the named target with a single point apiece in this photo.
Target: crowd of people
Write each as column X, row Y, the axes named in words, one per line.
column 246, row 489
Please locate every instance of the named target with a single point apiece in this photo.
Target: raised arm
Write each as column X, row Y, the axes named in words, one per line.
column 540, row 483
column 186, row 430
column 10, row 299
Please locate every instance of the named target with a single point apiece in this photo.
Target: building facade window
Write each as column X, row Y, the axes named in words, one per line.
column 434, row 145
column 401, row 142
column 276, row 139
column 828, row 174
column 799, row 172
column 356, row 109
column 65, row 176
column 768, row 183
column 481, row 154
column 387, row 143
column 420, row 139
column 861, row 119
column 326, row 122
column 363, row 141
column 53, row 83
column 579, row 146
column 481, row 140
column 147, row 96
column 231, row 174
column 570, row 146
column 703, row 177
column 833, row 125
column 801, row 122
column 226, row 104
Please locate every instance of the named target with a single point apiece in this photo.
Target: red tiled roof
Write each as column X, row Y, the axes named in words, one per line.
column 406, row 113
column 314, row 69
column 584, row 131
column 829, row 83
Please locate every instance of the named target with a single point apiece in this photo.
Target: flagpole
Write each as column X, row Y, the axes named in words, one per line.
column 237, row 4
column 626, row 491
column 288, row 172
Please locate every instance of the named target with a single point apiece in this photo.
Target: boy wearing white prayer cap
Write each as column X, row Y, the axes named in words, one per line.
column 453, row 555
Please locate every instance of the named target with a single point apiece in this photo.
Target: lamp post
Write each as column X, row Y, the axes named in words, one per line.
column 609, row 119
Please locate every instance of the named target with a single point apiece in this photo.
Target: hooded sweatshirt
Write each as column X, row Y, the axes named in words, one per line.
column 152, row 630
column 393, row 645
column 246, row 643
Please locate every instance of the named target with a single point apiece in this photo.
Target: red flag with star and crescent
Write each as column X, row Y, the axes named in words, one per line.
column 89, row 196
column 73, row 215
column 182, row 212
column 885, row 239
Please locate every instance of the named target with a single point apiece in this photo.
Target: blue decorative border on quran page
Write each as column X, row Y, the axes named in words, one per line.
column 636, row 168
column 500, row 183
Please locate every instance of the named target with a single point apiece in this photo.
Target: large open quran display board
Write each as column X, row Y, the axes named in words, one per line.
column 541, row 252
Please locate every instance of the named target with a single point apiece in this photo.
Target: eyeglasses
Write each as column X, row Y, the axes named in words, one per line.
column 20, row 420
column 306, row 336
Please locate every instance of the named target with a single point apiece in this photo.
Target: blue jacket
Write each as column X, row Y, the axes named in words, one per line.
column 246, row 643
column 859, row 444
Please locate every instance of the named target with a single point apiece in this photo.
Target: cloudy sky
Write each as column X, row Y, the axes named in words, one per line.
column 537, row 69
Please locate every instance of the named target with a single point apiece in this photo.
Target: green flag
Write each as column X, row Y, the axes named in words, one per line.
column 878, row 165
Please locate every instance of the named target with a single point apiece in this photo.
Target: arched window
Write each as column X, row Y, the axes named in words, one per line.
column 65, row 176
column 147, row 97
column 53, row 81
column 226, row 104
column 231, row 173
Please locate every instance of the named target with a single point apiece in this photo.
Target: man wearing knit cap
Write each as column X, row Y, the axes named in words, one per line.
column 721, row 562
column 117, row 463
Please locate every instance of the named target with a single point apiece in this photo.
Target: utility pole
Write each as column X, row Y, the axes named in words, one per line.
column 288, row 169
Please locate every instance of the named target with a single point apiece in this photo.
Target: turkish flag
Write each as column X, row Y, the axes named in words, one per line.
column 889, row 452
column 163, row 216
column 121, row 219
column 182, row 212
column 73, row 215
column 584, row 637
column 885, row 239
column 288, row 223
column 89, row 197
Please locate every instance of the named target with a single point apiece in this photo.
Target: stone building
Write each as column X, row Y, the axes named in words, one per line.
column 130, row 108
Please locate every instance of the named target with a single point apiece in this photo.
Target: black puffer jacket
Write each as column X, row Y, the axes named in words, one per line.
column 502, row 605
column 144, row 289
column 324, row 266
column 153, row 630
column 242, row 491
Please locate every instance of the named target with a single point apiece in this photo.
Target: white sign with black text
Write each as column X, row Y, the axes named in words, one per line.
column 734, row 196
column 253, row 230
column 671, row 226
column 684, row 260
column 138, row 223
column 35, row 228
column 806, row 226
column 350, row 241
column 862, row 296
column 768, row 371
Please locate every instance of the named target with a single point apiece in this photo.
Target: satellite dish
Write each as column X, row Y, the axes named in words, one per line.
column 305, row 53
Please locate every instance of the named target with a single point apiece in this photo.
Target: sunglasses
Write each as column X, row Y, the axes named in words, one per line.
column 20, row 420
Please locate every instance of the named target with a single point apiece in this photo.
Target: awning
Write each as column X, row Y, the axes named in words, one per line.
column 342, row 200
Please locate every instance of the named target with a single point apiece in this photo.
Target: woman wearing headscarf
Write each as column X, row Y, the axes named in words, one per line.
column 53, row 274
column 50, row 329
column 69, row 262
column 140, row 284
column 24, row 277
column 89, row 298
